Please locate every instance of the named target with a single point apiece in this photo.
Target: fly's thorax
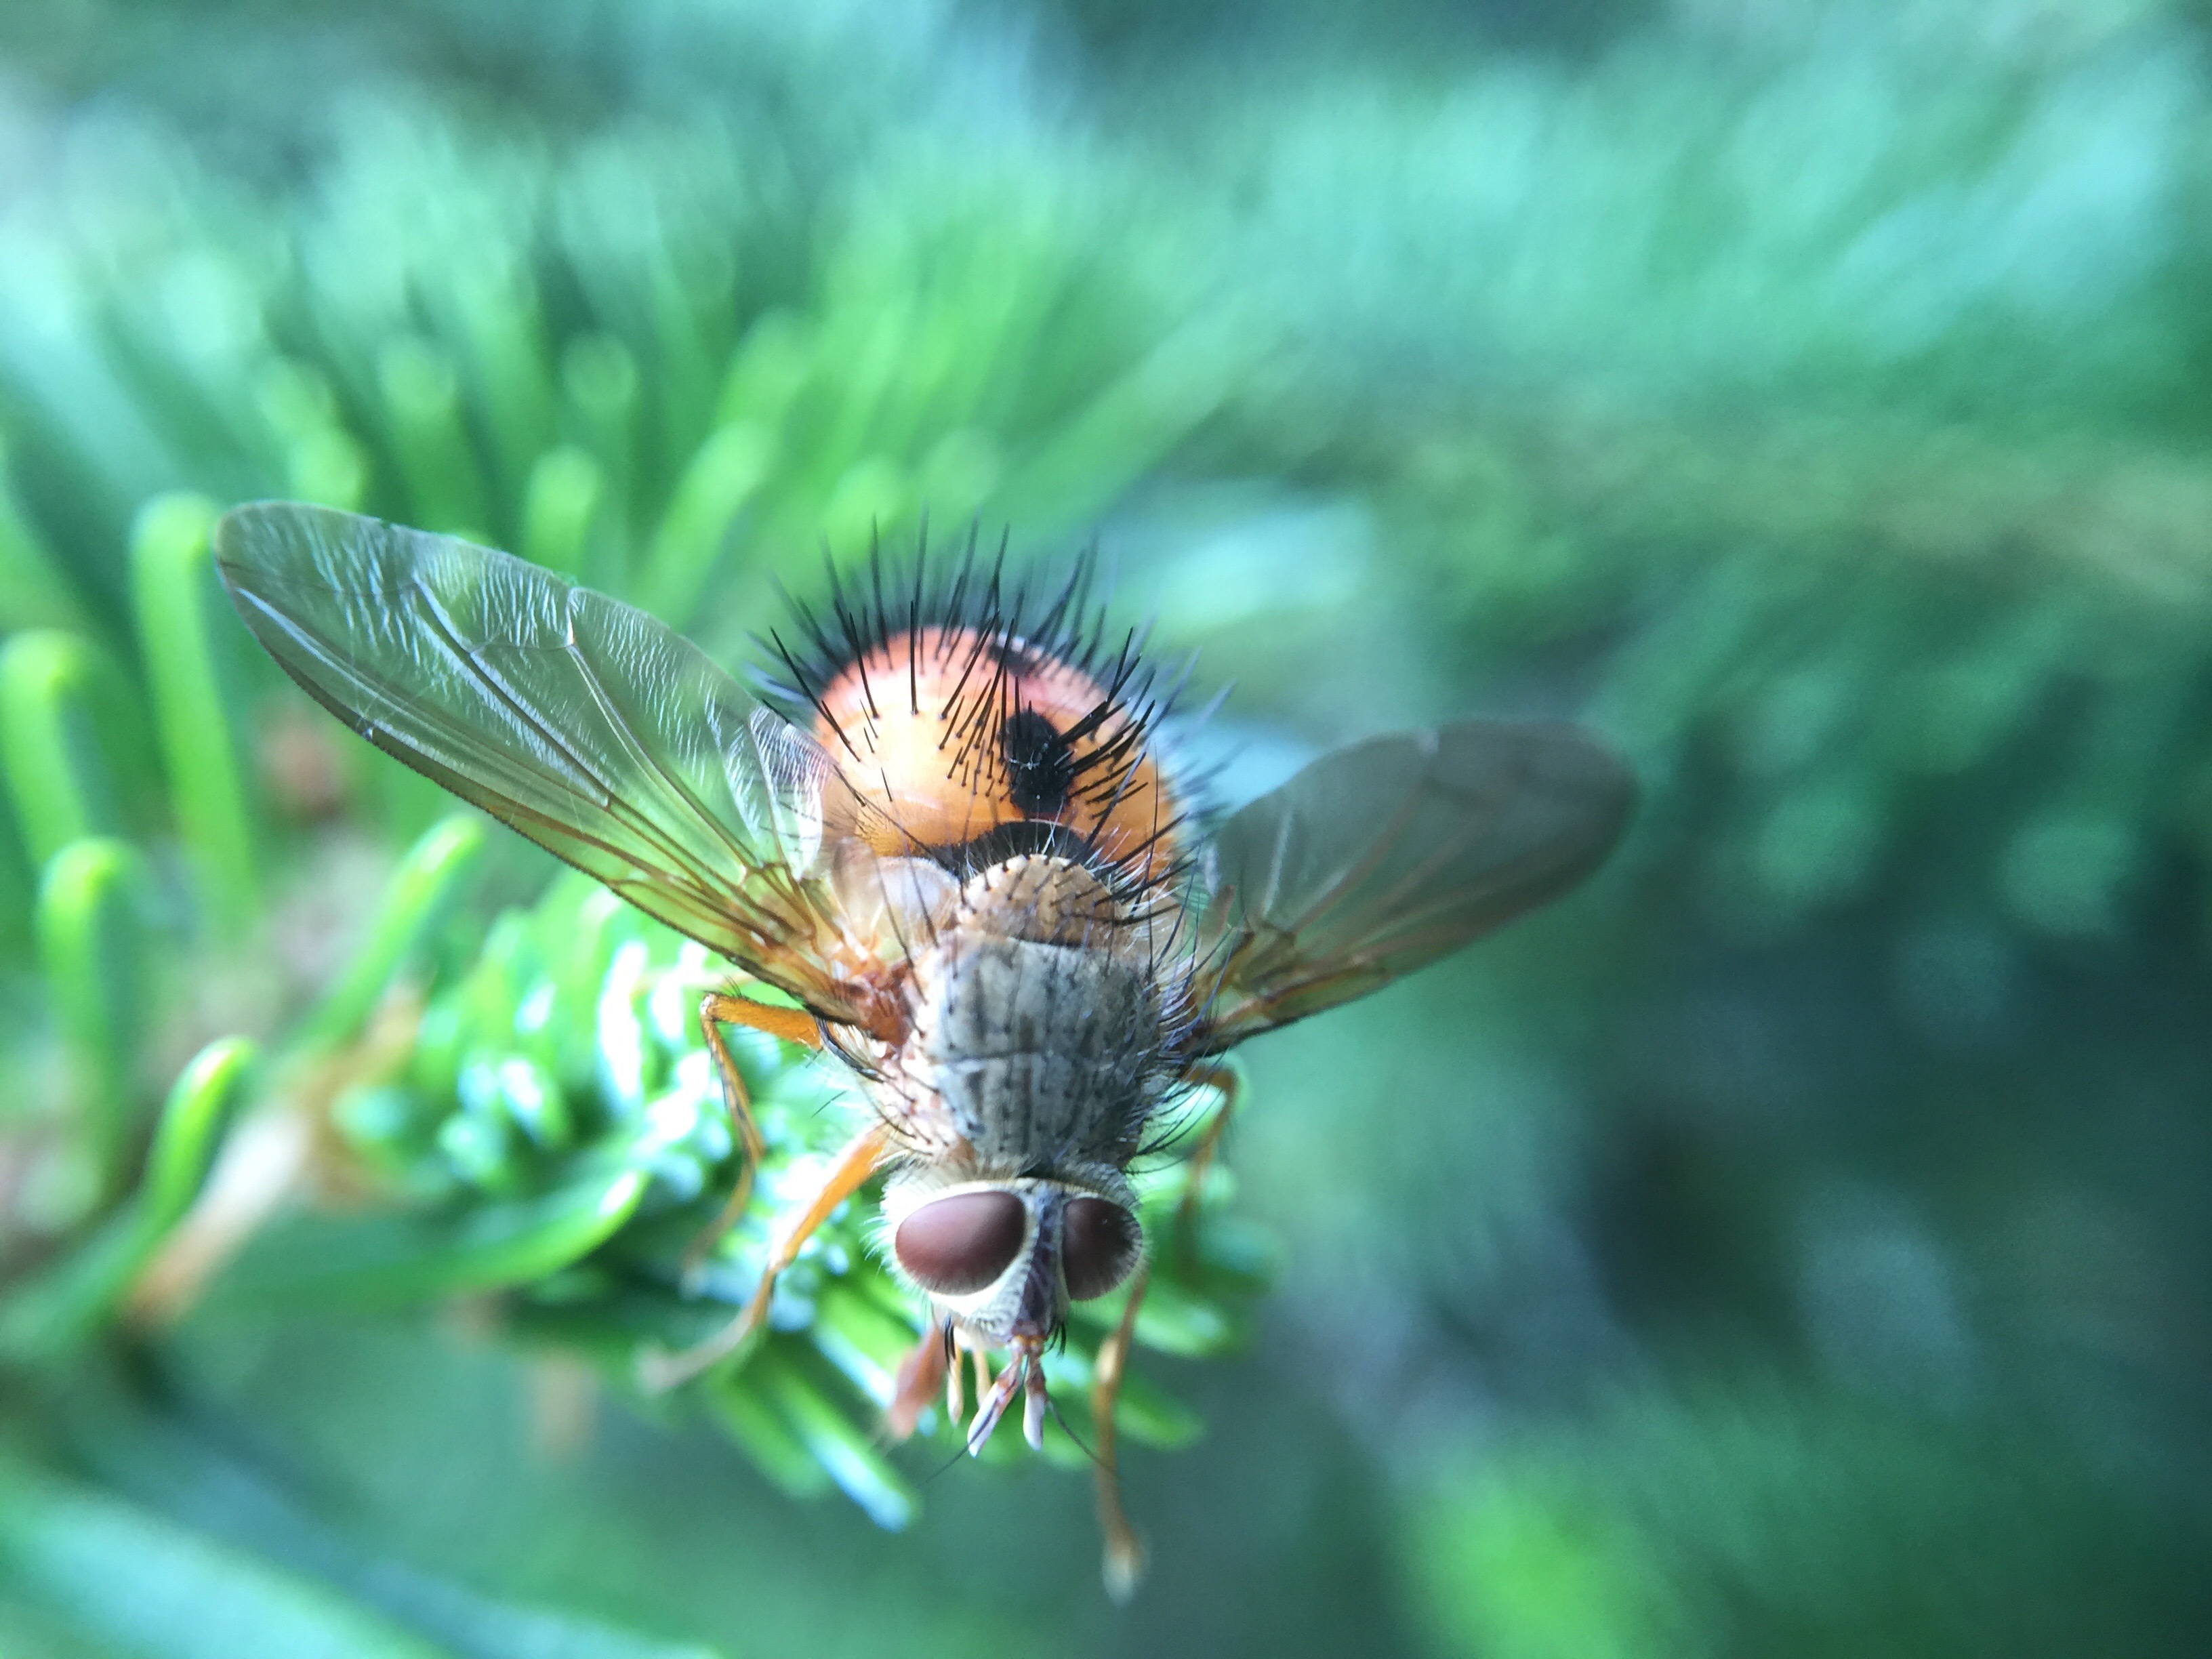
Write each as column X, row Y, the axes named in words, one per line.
column 1040, row 1057
column 1053, row 901
column 895, row 907
column 1042, row 1021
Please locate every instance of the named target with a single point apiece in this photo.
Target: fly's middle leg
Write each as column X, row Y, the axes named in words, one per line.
column 1224, row 1081
column 716, row 1010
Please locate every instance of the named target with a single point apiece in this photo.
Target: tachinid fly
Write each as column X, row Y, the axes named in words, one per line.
column 957, row 844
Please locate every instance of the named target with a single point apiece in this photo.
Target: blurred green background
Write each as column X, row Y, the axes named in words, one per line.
column 1796, row 1243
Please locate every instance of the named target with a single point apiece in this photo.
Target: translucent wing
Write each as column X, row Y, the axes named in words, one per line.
column 598, row 732
column 1382, row 856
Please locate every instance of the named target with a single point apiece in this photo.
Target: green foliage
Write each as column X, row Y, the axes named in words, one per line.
column 1744, row 1521
column 601, row 352
column 47, row 1317
column 180, row 613
column 1785, row 1250
column 190, row 1595
column 560, row 1132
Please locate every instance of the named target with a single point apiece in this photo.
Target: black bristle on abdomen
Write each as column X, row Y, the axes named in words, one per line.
column 967, row 593
column 1040, row 764
column 993, row 632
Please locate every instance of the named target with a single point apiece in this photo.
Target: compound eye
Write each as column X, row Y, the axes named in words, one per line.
column 1099, row 1244
column 958, row 1245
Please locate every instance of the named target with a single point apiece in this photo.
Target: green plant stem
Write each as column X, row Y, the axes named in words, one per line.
column 561, row 507
column 414, row 901
column 174, row 587
column 496, row 313
column 725, row 474
column 849, row 1452
column 33, row 593
column 67, row 1303
column 323, row 462
column 598, row 382
column 57, row 774
column 200, row 1104
column 92, row 909
column 393, row 1261
column 422, row 403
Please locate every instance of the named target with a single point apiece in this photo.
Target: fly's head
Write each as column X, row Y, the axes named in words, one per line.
column 1002, row 1259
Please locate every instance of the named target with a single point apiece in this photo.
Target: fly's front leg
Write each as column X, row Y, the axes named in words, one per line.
column 1125, row 1552
column 659, row 1370
column 930, row 1363
column 1223, row 1080
column 716, row 1010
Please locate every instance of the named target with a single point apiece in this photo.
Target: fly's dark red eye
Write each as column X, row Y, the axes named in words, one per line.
column 956, row 1246
column 1098, row 1247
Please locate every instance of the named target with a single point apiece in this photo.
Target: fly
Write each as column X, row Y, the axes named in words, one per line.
column 958, row 845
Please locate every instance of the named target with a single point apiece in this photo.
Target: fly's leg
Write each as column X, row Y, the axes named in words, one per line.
column 1229, row 1085
column 1125, row 1552
column 1023, row 1375
column 955, row 1404
column 716, row 1010
column 659, row 1370
column 930, row 1363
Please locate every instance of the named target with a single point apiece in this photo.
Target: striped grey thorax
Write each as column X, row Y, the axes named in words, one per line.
column 1035, row 1034
column 1043, row 1055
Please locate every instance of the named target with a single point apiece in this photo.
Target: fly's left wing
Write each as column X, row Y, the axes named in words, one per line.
column 1382, row 856
column 589, row 726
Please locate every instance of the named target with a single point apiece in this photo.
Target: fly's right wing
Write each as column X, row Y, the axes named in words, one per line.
column 589, row 726
column 1381, row 856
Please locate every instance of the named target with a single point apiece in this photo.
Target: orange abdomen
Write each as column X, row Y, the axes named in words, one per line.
column 951, row 733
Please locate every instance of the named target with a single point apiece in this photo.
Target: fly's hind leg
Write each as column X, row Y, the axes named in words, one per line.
column 1225, row 1082
column 716, row 1010
column 1124, row 1562
column 659, row 1370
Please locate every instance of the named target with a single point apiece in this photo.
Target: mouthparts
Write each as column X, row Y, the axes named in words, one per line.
column 1023, row 1373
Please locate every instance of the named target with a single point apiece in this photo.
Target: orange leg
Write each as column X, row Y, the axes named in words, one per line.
column 1125, row 1551
column 717, row 1010
column 1229, row 1085
column 918, row 1378
column 659, row 1370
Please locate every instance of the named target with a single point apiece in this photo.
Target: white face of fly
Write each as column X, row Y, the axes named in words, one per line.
column 1004, row 1259
column 1001, row 1260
